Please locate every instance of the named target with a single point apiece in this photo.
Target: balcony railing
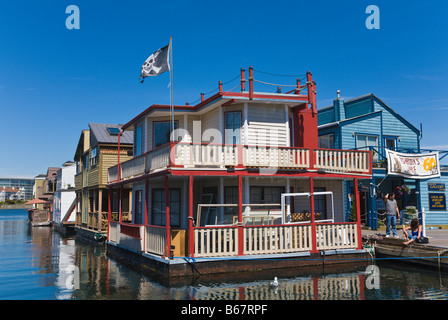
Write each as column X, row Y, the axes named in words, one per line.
column 189, row 155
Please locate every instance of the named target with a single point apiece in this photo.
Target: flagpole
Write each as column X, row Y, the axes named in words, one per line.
column 171, row 89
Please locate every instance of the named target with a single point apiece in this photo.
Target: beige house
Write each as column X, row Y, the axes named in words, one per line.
column 97, row 150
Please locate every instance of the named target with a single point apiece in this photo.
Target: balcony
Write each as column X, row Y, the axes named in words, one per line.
column 214, row 156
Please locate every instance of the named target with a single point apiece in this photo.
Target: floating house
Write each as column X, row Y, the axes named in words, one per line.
column 239, row 184
column 97, row 150
column 64, row 200
column 368, row 123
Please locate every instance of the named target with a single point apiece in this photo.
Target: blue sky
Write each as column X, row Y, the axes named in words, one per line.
column 54, row 81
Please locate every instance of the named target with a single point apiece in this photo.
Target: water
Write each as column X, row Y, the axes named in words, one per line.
column 39, row 264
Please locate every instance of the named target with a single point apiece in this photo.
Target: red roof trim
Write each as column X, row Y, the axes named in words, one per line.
column 229, row 95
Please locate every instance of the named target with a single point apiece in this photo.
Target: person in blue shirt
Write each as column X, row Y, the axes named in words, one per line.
column 413, row 232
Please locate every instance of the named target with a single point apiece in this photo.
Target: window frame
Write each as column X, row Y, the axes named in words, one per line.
column 238, row 142
column 154, row 123
column 161, row 200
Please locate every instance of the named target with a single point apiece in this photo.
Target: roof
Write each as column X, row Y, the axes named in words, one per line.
column 52, row 172
column 369, row 96
column 102, row 135
column 8, row 189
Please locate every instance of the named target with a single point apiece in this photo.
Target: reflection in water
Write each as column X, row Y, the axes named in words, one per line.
column 38, row 263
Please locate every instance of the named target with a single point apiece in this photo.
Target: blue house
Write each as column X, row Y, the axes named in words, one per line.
column 367, row 123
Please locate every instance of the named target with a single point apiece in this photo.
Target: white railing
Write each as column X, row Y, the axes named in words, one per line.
column 158, row 158
column 112, row 174
column 277, row 239
column 205, row 154
column 190, row 155
column 336, row 236
column 133, row 167
column 277, row 157
column 215, row 242
column 155, row 239
column 114, row 231
column 343, row 160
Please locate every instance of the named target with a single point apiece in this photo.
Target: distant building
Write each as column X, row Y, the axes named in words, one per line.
column 11, row 194
column 64, row 200
column 19, row 183
column 37, row 188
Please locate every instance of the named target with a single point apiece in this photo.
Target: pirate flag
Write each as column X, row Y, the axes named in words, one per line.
column 156, row 64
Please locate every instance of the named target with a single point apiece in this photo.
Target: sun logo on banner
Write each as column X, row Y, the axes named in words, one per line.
column 429, row 164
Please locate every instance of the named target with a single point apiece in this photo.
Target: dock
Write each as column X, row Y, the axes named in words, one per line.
column 433, row 254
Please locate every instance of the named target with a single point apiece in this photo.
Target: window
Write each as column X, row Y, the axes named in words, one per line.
column 158, row 207
column 266, row 195
column 320, row 205
column 95, row 156
column 138, row 141
column 138, row 207
column 363, row 142
column 113, row 131
column 326, row 141
column 162, row 132
column 390, row 143
column 233, row 127
column 231, row 197
column 85, row 162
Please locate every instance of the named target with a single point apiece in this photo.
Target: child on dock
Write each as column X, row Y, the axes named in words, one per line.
column 413, row 232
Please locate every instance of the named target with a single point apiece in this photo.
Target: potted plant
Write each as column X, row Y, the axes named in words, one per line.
column 410, row 212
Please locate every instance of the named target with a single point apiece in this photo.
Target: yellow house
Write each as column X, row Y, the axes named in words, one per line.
column 97, row 150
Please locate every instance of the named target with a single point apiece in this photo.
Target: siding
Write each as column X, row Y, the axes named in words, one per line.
column 358, row 108
column 370, row 126
column 325, row 116
column 267, row 125
column 434, row 217
column 210, row 126
column 108, row 159
column 393, row 126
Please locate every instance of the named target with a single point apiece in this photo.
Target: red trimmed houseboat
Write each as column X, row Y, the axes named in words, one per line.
column 240, row 184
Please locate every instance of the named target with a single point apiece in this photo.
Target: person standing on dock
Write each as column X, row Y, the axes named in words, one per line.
column 391, row 214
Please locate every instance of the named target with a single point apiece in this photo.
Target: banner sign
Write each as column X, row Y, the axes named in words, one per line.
column 413, row 165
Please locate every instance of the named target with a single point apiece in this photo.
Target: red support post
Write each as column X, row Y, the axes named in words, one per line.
column 190, row 217
column 120, row 208
column 311, row 88
column 243, row 80
column 146, row 201
column 358, row 213
column 298, row 87
column 240, row 150
column 109, row 211
column 167, row 217
column 118, row 158
column 313, row 222
column 240, row 217
column 251, row 83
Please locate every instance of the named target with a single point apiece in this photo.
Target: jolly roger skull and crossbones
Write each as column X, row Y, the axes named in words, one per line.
column 149, row 67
